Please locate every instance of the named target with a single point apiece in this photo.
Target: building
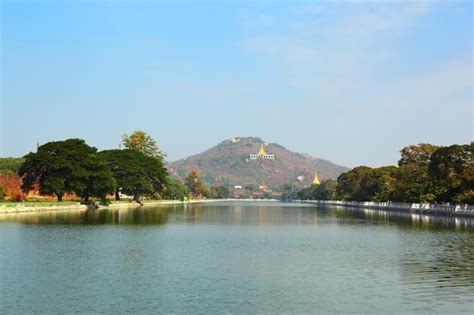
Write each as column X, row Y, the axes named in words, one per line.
column 257, row 195
column 239, row 193
column 262, row 155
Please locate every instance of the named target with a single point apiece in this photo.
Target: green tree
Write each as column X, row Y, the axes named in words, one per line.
column 174, row 190
column 380, row 183
column 452, row 172
column 417, row 154
column 325, row 191
column 220, row 192
column 350, row 185
column 10, row 165
column 251, row 188
column 3, row 193
column 69, row 166
column 366, row 184
column 289, row 192
column 141, row 141
column 195, row 185
column 136, row 174
column 412, row 184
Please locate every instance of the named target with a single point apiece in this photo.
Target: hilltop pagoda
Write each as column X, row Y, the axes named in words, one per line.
column 262, row 155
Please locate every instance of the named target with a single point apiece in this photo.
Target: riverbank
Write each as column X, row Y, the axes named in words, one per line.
column 74, row 206
column 418, row 208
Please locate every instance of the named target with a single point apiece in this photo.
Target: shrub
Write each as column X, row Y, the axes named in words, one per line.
column 19, row 197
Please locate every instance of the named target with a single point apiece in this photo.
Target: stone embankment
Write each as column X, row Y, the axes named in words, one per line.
column 23, row 207
column 420, row 208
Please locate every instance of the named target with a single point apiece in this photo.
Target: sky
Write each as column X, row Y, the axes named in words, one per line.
column 352, row 82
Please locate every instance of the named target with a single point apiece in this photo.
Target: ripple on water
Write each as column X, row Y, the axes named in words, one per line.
column 236, row 258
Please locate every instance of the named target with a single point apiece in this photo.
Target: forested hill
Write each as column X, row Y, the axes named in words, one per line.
column 10, row 165
column 230, row 162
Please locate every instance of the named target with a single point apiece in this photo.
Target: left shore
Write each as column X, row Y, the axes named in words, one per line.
column 22, row 207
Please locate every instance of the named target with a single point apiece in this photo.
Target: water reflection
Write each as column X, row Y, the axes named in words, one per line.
column 133, row 216
column 241, row 257
column 242, row 213
column 403, row 219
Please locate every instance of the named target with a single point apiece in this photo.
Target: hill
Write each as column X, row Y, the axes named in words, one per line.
column 230, row 163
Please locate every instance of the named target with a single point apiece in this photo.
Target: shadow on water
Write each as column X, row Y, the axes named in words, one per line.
column 135, row 216
column 401, row 219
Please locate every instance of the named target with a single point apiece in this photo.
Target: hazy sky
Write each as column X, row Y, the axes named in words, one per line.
column 352, row 82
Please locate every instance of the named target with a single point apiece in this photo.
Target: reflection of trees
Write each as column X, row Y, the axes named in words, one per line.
column 249, row 214
column 239, row 213
column 134, row 216
column 348, row 215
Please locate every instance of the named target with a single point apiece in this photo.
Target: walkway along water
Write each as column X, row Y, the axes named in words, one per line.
column 420, row 208
column 23, row 207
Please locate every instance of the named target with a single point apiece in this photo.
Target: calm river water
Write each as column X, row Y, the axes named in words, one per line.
column 235, row 258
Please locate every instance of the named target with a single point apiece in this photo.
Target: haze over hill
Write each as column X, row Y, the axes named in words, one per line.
column 230, row 163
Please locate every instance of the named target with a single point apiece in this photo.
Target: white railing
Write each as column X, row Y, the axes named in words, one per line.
column 466, row 210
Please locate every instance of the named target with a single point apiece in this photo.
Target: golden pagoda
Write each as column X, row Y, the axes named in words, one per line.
column 262, row 152
column 316, row 179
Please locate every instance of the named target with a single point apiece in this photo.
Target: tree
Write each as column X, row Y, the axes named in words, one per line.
column 174, row 190
column 3, row 193
column 195, row 185
column 220, row 192
column 141, row 141
column 10, row 165
column 417, row 154
column 69, row 166
column 325, row 191
column 366, row 184
column 289, row 191
column 452, row 172
column 251, row 188
column 350, row 184
column 379, row 183
column 136, row 174
column 411, row 179
column 412, row 184
column 96, row 180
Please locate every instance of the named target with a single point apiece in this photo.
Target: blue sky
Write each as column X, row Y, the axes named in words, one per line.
column 349, row 81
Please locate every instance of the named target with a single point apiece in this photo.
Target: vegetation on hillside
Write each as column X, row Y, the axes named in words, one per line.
column 10, row 165
column 230, row 161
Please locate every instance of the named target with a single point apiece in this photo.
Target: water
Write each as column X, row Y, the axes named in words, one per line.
column 236, row 258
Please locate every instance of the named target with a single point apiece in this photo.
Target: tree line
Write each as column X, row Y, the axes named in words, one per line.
column 425, row 173
column 138, row 170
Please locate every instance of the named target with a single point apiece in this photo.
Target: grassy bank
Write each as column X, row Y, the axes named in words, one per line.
column 37, row 206
column 12, row 204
